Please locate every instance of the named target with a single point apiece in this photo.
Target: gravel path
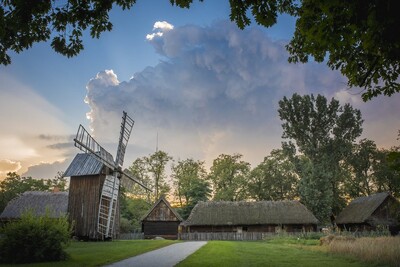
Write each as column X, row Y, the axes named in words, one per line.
column 164, row 257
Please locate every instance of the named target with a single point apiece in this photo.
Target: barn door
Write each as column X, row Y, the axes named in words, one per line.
column 108, row 206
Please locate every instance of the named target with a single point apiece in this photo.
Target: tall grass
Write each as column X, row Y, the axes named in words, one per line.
column 381, row 250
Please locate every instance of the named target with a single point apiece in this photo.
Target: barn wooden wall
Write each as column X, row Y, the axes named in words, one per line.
column 161, row 213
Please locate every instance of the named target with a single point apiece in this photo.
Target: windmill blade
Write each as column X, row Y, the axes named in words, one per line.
column 128, row 180
column 85, row 142
column 126, row 128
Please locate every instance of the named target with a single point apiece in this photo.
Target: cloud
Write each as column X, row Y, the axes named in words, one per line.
column 47, row 170
column 216, row 91
column 7, row 166
column 162, row 26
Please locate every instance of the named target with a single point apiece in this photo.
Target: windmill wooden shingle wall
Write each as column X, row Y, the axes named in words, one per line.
column 87, row 179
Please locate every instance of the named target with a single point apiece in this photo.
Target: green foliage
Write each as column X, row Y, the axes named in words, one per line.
column 151, row 171
column 34, row 239
column 23, row 23
column 229, row 177
column 156, row 164
column 324, row 133
column 190, row 184
column 361, row 38
column 273, row 179
column 132, row 211
column 59, row 183
column 140, row 172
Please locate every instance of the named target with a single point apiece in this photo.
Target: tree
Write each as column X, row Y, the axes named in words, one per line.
column 229, row 177
column 139, row 170
column 190, row 184
column 150, row 171
column 156, row 164
column 361, row 38
column 274, row 178
column 324, row 133
column 133, row 210
column 59, row 183
column 361, row 181
column 387, row 177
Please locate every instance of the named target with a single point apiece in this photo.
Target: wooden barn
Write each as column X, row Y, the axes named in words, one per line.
column 38, row 202
column 161, row 221
column 87, row 178
column 368, row 213
column 241, row 216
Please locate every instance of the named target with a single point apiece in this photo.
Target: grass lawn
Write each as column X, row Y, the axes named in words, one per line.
column 275, row 253
column 101, row 253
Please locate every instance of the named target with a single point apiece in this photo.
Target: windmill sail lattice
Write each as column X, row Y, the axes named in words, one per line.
column 126, row 129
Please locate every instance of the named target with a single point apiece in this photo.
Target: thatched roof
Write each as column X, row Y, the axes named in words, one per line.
column 84, row 164
column 361, row 209
column 38, row 202
column 250, row 213
column 162, row 199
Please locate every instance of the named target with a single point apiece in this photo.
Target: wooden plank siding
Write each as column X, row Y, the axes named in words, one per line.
column 249, row 236
column 162, row 220
column 269, row 228
column 83, row 205
column 165, row 229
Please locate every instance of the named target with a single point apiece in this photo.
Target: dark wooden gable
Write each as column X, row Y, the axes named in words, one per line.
column 162, row 211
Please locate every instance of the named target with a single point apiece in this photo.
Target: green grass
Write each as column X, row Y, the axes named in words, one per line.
column 276, row 253
column 101, row 253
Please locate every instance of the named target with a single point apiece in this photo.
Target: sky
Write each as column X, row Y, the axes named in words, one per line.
column 195, row 84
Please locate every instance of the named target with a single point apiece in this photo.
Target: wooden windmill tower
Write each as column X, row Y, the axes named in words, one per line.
column 93, row 204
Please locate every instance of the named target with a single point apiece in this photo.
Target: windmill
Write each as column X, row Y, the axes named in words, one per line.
column 95, row 181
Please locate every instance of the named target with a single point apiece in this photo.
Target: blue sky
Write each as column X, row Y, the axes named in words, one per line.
column 204, row 86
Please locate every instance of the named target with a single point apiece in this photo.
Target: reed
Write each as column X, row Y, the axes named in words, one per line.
column 382, row 250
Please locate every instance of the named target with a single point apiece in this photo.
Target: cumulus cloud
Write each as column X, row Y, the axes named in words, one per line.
column 46, row 170
column 216, row 91
column 161, row 27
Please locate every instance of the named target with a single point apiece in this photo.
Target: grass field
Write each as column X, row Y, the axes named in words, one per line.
column 100, row 253
column 276, row 253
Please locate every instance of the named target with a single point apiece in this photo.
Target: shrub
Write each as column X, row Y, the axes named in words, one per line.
column 34, row 239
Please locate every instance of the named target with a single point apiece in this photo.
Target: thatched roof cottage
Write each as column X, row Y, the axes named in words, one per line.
column 367, row 213
column 241, row 216
column 162, row 220
column 37, row 202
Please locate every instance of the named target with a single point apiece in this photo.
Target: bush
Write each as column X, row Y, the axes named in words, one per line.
column 34, row 239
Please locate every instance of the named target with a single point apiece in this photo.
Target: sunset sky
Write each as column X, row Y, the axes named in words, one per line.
column 189, row 75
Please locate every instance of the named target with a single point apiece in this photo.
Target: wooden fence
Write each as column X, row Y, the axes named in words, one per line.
column 130, row 236
column 225, row 236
